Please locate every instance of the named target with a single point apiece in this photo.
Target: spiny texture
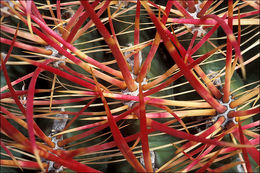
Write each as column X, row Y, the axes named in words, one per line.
column 129, row 86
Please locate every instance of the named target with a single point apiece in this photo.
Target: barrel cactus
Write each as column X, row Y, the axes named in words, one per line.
column 129, row 86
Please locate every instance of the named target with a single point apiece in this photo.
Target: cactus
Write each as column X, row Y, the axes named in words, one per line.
column 129, row 86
